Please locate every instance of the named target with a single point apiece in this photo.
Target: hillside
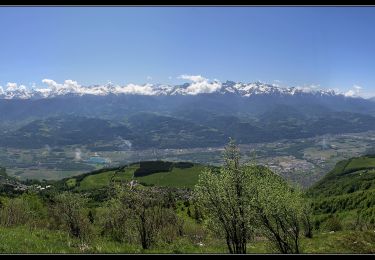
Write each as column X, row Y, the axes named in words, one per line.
column 191, row 128
column 158, row 173
column 183, row 175
column 67, row 130
column 10, row 185
column 347, row 191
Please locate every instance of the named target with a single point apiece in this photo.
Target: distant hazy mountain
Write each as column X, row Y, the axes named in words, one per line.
column 111, row 101
column 197, row 114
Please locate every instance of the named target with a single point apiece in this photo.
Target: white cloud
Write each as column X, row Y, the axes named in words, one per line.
column 309, row 88
column 135, row 89
column 14, row 90
column 73, row 86
column 203, row 87
column 44, row 92
column 276, row 83
column 78, row 155
column 354, row 92
column 51, row 83
column 200, row 84
column 52, row 86
column 11, row 86
column 69, row 86
column 350, row 93
column 305, row 89
column 194, row 78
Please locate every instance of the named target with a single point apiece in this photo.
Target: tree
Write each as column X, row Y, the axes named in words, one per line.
column 69, row 210
column 280, row 211
column 239, row 200
column 116, row 220
column 306, row 219
column 149, row 213
column 225, row 197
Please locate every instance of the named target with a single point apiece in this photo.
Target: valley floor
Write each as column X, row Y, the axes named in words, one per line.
column 301, row 160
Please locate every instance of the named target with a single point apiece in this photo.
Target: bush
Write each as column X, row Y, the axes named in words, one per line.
column 194, row 232
column 115, row 221
column 70, row 214
column 332, row 224
column 25, row 209
column 171, row 226
column 142, row 215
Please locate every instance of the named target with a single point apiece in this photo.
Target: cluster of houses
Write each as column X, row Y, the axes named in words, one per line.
column 40, row 187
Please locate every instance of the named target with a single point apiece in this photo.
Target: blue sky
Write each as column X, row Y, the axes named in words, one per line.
column 333, row 47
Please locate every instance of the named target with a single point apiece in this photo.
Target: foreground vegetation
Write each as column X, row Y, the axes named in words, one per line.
column 188, row 208
column 23, row 240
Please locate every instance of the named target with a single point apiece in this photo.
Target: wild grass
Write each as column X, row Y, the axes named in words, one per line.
column 22, row 239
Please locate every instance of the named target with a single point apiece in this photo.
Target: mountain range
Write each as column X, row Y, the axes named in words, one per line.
column 197, row 114
column 70, row 87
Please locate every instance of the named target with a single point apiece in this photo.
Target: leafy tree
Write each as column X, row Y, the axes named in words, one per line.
column 225, row 198
column 198, row 215
column 307, row 221
column 70, row 212
column 240, row 200
column 148, row 214
column 280, row 210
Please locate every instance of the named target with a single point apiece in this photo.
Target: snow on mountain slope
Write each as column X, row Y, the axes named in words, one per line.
column 201, row 86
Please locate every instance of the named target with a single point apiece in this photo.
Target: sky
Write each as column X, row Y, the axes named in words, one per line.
column 329, row 47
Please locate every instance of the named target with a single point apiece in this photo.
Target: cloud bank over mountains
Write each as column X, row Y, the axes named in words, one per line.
column 197, row 85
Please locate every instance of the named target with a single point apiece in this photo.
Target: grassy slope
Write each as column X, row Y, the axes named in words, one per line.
column 96, row 181
column 181, row 178
column 356, row 174
column 361, row 162
column 25, row 240
column 349, row 188
column 177, row 177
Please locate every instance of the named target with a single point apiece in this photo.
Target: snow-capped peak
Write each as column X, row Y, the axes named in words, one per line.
column 198, row 85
